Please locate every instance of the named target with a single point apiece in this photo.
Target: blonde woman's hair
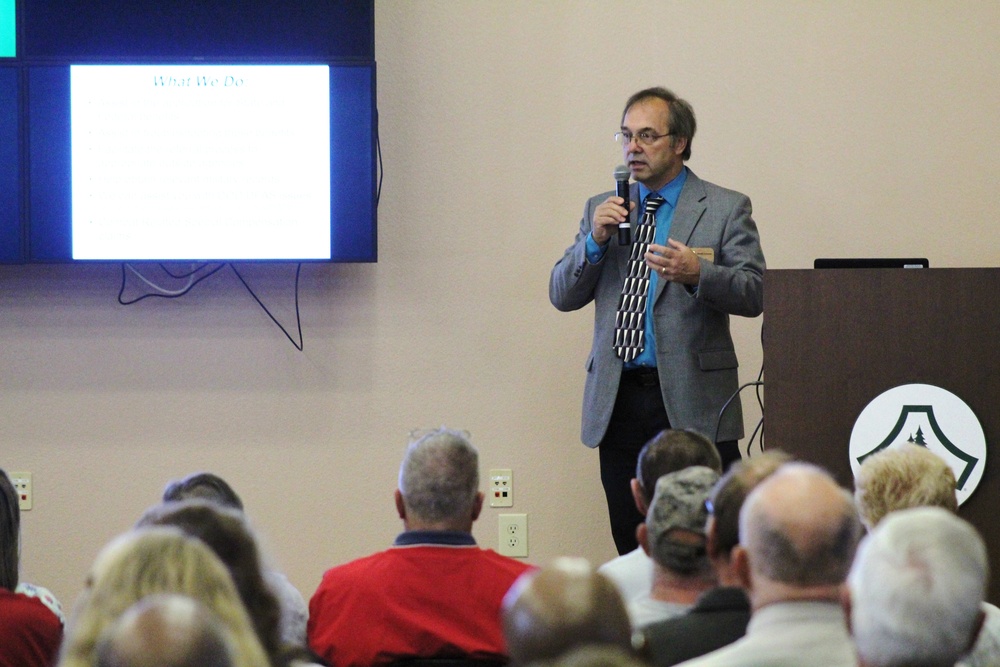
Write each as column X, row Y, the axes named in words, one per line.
column 900, row 478
column 149, row 561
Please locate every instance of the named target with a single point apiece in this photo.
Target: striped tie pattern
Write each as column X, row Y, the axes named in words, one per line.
column 630, row 323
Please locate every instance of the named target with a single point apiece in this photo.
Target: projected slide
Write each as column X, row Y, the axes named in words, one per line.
column 200, row 161
column 8, row 31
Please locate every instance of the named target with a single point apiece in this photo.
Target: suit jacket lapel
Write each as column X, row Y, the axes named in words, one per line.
column 691, row 207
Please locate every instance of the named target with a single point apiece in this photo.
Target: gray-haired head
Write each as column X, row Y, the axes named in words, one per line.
column 675, row 522
column 916, row 588
column 731, row 491
column 799, row 528
column 166, row 631
column 439, row 478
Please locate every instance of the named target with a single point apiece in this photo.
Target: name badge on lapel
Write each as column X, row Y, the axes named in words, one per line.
column 707, row 254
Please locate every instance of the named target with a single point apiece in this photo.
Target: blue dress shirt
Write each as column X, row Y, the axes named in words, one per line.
column 670, row 192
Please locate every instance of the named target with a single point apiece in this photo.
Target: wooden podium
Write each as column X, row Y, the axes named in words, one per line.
column 834, row 339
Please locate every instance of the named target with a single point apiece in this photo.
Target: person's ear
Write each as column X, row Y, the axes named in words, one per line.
column 400, row 506
column 642, row 536
column 638, row 496
column 711, row 538
column 977, row 629
column 741, row 567
column 477, row 506
column 680, row 145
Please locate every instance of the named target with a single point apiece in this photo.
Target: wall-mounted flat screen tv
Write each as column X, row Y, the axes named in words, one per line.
column 153, row 130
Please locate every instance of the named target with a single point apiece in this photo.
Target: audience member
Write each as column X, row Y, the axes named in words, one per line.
column 207, row 486
column 31, row 623
column 567, row 605
column 147, row 561
column 798, row 534
column 674, row 537
column 915, row 590
column 910, row 476
column 227, row 532
column 204, row 486
column 900, row 478
column 720, row 615
column 166, row 631
column 669, row 451
column 435, row 593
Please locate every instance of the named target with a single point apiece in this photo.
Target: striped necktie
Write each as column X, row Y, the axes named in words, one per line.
column 630, row 323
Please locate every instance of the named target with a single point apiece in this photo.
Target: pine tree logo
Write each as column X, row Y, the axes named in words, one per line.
column 927, row 416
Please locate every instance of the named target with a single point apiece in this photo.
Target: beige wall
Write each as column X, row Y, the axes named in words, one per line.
column 858, row 128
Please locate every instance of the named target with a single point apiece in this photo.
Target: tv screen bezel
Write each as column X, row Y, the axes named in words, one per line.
column 353, row 173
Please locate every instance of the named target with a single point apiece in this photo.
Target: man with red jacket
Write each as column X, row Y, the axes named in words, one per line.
column 435, row 593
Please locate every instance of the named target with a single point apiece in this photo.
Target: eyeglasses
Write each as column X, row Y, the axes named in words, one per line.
column 644, row 138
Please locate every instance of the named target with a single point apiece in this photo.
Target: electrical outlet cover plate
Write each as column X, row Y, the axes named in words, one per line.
column 501, row 487
column 513, row 537
column 22, row 484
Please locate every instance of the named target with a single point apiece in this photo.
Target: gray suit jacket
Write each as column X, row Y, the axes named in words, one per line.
column 694, row 350
column 788, row 634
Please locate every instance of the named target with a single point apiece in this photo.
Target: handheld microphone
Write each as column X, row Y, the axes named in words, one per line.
column 622, row 174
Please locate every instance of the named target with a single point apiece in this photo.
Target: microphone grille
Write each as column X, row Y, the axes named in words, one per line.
column 622, row 173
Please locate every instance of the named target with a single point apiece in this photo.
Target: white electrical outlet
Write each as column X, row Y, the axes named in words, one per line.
column 22, row 484
column 514, row 535
column 501, row 487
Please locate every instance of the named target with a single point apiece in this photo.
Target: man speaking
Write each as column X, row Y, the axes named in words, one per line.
column 662, row 355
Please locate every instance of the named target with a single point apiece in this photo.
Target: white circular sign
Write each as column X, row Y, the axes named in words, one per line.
column 925, row 415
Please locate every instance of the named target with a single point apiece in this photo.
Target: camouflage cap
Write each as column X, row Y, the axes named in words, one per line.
column 675, row 523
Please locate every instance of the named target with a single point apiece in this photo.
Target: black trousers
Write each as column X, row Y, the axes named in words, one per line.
column 638, row 415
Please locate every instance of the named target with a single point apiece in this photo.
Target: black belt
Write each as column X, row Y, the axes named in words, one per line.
column 643, row 376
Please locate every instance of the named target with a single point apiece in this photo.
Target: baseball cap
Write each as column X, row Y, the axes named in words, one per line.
column 675, row 522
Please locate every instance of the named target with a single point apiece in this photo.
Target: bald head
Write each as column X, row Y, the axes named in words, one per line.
column 731, row 492
column 560, row 607
column 799, row 528
column 165, row 631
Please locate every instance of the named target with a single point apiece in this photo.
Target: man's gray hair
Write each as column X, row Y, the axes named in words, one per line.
column 916, row 588
column 800, row 528
column 439, row 477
